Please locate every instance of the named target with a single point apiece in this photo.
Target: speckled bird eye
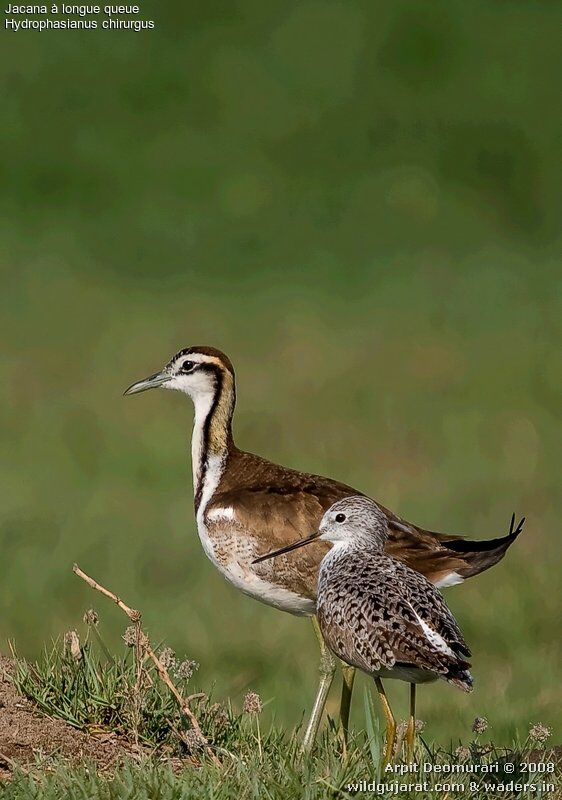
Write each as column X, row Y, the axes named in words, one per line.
column 340, row 517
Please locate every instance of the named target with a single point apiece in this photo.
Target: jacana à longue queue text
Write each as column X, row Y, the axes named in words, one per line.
column 246, row 506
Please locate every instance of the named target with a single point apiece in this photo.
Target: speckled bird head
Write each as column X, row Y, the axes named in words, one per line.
column 355, row 520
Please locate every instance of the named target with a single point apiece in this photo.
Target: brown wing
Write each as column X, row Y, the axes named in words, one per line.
column 291, row 505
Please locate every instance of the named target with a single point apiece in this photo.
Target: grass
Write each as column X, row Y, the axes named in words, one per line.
column 278, row 774
column 99, row 693
column 121, row 695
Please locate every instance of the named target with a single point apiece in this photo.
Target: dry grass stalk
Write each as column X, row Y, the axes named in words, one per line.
column 14, row 765
column 143, row 640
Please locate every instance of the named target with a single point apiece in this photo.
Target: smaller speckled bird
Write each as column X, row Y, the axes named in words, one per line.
column 380, row 616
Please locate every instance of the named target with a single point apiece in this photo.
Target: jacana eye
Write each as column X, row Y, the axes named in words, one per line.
column 187, row 365
column 340, row 517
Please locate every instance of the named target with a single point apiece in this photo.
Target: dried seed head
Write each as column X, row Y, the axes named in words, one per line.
column 220, row 716
column 72, row 645
column 480, row 725
column 252, row 703
column 135, row 636
column 194, row 741
column 91, row 617
column 130, row 636
column 539, row 733
column 462, row 754
column 420, row 725
column 167, row 658
column 186, row 669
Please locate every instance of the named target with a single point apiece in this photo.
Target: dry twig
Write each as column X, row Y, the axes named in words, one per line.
column 135, row 617
column 13, row 764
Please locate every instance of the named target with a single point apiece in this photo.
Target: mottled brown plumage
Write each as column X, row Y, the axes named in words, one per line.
column 378, row 615
column 375, row 613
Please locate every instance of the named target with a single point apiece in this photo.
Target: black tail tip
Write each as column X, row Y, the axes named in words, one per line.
column 515, row 531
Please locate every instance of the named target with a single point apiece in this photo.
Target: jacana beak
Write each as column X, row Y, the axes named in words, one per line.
column 148, row 383
column 288, row 548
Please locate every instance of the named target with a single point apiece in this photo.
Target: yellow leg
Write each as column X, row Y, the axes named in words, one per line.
column 348, row 674
column 411, row 730
column 390, row 723
column 326, row 671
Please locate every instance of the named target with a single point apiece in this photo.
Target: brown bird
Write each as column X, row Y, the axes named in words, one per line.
column 246, row 506
column 377, row 614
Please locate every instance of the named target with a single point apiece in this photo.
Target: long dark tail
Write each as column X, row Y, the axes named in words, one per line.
column 442, row 558
column 481, row 555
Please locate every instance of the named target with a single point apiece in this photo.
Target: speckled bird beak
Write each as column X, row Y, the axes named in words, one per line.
column 288, row 548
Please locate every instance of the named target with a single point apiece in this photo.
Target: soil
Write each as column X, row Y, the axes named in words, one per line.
column 26, row 736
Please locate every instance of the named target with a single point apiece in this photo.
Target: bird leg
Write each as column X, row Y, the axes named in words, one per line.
column 411, row 730
column 326, row 671
column 348, row 674
column 390, row 723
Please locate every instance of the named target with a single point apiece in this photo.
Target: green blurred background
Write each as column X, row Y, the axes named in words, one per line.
column 359, row 202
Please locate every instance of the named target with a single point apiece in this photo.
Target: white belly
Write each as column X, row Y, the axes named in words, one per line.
column 239, row 571
column 234, row 561
column 408, row 674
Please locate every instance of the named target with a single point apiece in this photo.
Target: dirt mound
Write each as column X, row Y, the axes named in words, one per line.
column 26, row 736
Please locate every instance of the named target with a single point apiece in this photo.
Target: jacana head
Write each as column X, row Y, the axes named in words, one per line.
column 196, row 371
column 355, row 520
